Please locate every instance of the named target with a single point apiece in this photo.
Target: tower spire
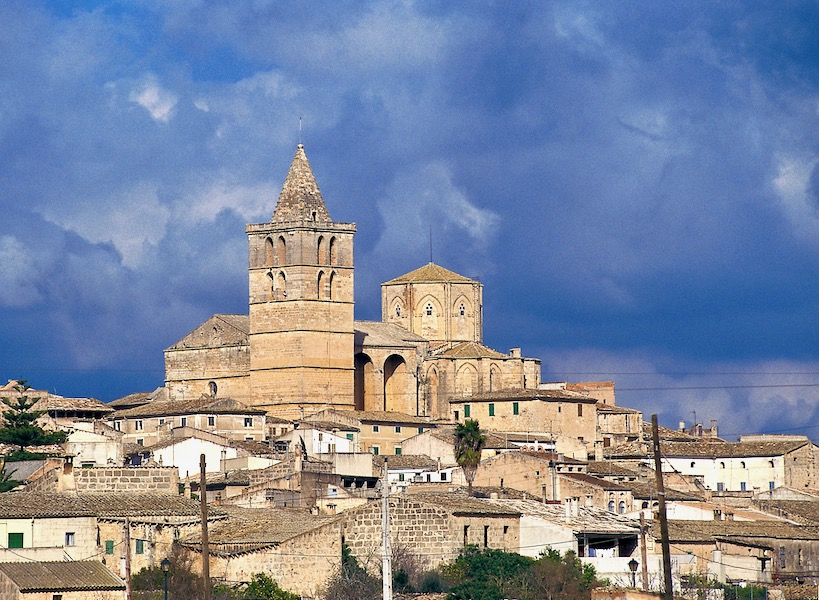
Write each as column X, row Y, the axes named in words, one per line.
column 300, row 199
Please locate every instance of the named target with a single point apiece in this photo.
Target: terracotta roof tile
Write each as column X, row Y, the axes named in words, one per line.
column 61, row 576
column 26, row 505
column 431, row 273
column 376, row 334
column 203, row 405
column 471, row 350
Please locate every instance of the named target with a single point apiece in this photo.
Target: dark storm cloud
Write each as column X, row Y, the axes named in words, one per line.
column 634, row 183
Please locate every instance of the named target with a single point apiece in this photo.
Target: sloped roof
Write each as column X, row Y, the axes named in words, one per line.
column 706, row 531
column 377, row 334
column 52, row 402
column 589, row 519
column 729, row 449
column 405, row 461
column 459, row 503
column 300, row 198
column 802, row 511
column 431, row 273
column 248, row 529
column 61, row 576
column 29, row 505
column 385, row 416
column 203, row 405
column 217, row 332
column 607, row 467
column 494, row 441
column 583, row 478
column 528, row 394
column 470, row 350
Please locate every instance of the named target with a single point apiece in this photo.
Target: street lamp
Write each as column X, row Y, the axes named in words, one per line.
column 632, row 566
column 166, row 566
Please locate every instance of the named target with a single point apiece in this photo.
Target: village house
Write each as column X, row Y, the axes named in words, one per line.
column 59, row 580
column 618, row 425
column 151, row 423
column 319, row 437
column 556, row 411
column 751, row 465
column 300, row 550
column 605, row 540
column 74, row 526
column 405, row 470
column 433, row 527
column 535, row 473
column 380, row 432
column 439, row 444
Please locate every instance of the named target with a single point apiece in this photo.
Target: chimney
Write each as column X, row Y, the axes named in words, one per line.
column 598, row 450
column 681, row 426
column 514, row 352
column 714, row 432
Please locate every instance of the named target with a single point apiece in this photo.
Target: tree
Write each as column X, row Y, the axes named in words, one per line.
column 19, row 423
column 264, row 587
column 484, row 574
column 469, row 441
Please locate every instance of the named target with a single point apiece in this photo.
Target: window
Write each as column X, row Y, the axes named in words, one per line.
column 397, row 451
column 140, row 546
column 621, row 508
column 611, row 505
column 491, row 410
column 117, row 425
column 428, row 309
column 462, row 310
column 770, row 485
column 211, row 421
column 579, row 410
column 397, row 429
column 161, row 421
column 720, row 486
column 515, row 408
column 400, row 477
column 248, row 421
column 321, row 437
column 69, row 538
column 376, row 429
column 140, row 442
column 109, row 546
column 212, row 388
column 486, row 536
column 138, row 425
column 781, row 557
column 56, row 597
column 443, row 475
column 184, row 421
column 466, row 535
column 350, row 436
column 467, row 411
column 15, row 540
column 742, row 486
column 375, row 450
column 420, row 430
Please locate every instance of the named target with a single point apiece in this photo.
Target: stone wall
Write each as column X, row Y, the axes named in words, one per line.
column 430, row 532
column 157, row 480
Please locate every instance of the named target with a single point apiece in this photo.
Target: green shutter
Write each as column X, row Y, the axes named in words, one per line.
column 15, row 540
column 140, row 546
column 515, row 408
column 109, row 546
column 491, row 410
column 466, row 411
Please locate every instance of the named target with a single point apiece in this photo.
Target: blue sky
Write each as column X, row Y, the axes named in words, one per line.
column 635, row 183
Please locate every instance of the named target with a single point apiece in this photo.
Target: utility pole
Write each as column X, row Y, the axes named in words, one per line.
column 203, row 501
column 127, row 558
column 643, row 550
column 668, row 591
column 386, row 554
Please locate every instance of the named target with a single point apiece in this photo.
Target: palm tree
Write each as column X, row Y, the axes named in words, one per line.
column 469, row 441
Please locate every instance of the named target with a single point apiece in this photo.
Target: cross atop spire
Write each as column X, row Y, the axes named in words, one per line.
column 300, row 199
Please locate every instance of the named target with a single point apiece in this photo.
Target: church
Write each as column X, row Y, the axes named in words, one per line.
column 299, row 350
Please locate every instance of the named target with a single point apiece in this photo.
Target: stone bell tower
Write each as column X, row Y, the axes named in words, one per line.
column 301, row 303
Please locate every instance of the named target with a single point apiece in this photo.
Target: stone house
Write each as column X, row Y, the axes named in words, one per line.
column 750, row 465
column 593, row 491
column 605, row 540
column 151, row 423
column 63, row 580
column 536, row 473
column 298, row 549
column 618, row 425
column 434, row 527
column 93, row 444
column 319, row 438
column 380, row 432
column 73, row 526
column 439, row 444
column 558, row 412
column 760, row 551
column 405, row 470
